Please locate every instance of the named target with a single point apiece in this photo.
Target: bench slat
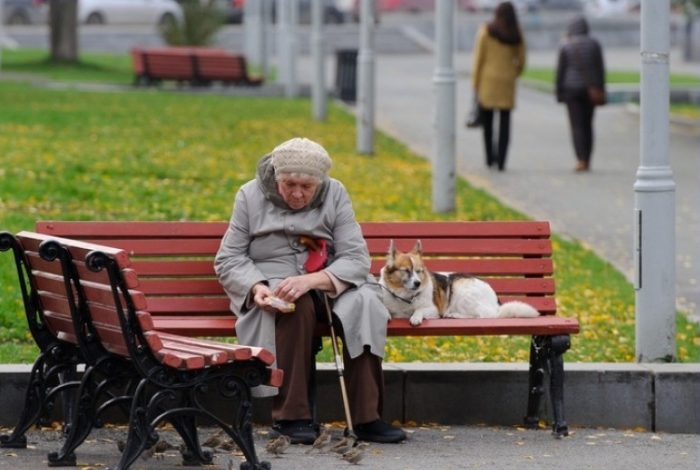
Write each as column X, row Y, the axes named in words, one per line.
column 468, row 246
column 132, row 229
column 187, row 287
column 545, row 325
column 517, row 229
column 382, row 230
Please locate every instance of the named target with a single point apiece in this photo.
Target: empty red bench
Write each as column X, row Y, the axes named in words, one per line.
column 195, row 65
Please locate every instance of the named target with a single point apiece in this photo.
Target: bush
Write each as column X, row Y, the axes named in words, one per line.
column 198, row 26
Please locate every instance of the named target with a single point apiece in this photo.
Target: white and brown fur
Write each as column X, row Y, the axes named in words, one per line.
column 411, row 291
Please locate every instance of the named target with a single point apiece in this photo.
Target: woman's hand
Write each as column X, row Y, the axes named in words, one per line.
column 261, row 292
column 294, row 287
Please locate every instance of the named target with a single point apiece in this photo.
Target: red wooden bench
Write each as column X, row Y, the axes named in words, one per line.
column 196, row 65
column 172, row 264
column 129, row 361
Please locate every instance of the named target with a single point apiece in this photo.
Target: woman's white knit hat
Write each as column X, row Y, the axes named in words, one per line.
column 301, row 155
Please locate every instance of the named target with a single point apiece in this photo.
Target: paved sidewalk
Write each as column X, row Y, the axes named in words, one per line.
column 595, row 208
column 431, row 447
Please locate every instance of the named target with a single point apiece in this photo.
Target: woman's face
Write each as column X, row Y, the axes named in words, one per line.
column 297, row 191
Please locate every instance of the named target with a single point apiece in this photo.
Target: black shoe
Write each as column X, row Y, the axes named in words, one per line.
column 379, row 431
column 300, row 431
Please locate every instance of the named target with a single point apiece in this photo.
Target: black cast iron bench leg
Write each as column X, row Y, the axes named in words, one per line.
column 546, row 358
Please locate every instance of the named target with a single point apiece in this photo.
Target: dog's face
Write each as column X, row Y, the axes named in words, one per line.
column 405, row 270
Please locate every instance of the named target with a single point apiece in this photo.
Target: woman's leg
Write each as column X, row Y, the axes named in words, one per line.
column 293, row 341
column 503, row 138
column 576, row 107
column 588, row 133
column 487, row 125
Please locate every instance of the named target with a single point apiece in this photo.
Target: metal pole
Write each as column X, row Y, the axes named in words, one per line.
column 318, row 88
column 292, row 89
column 654, row 203
column 267, row 36
column 287, row 19
column 2, row 31
column 254, row 25
column 444, row 118
column 366, row 80
column 281, row 43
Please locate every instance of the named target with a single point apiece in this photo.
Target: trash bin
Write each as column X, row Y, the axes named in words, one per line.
column 346, row 74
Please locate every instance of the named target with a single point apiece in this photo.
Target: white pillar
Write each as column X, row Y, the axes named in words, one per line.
column 654, row 202
column 318, row 87
column 287, row 20
column 2, row 31
column 366, row 79
column 444, row 118
column 254, row 33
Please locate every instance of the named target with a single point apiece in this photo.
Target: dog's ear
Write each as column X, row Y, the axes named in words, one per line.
column 418, row 248
column 391, row 254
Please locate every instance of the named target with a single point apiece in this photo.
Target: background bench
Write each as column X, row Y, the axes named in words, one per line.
column 196, row 65
column 172, row 264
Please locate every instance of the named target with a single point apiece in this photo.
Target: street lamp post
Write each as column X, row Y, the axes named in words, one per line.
column 318, row 87
column 365, row 80
column 444, row 118
column 654, row 203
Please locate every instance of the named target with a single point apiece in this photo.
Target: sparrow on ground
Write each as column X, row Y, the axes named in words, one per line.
column 354, row 455
column 322, row 441
column 278, row 445
column 214, row 440
column 343, row 445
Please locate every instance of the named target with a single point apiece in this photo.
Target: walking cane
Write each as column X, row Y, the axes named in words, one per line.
column 339, row 367
column 319, row 249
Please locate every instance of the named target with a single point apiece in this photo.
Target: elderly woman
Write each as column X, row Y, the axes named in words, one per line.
column 261, row 257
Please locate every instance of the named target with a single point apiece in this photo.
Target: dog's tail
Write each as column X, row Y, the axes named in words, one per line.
column 517, row 309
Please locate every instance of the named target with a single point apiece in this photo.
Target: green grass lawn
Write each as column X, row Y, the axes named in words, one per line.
column 545, row 74
column 156, row 155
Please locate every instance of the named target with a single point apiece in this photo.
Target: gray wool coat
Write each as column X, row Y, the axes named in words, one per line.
column 261, row 245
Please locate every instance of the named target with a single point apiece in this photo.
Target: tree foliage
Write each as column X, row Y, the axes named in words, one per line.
column 198, row 26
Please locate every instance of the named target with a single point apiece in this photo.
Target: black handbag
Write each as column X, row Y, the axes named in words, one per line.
column 474, row 114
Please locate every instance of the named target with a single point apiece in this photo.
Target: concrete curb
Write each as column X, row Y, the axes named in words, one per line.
column 652, row 397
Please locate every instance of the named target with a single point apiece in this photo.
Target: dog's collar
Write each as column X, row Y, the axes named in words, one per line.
column 397, row 296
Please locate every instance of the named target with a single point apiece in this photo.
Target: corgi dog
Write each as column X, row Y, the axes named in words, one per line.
column 410, row 291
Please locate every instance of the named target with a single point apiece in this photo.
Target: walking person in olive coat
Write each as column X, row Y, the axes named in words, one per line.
column 499, row 58
column 580, row 66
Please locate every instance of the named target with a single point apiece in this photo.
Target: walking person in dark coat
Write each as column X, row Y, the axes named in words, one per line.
column 580, row 66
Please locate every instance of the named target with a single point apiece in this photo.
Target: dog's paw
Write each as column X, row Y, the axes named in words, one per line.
column 416, row 320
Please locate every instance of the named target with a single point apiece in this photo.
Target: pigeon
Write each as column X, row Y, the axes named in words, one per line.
column 277, row 446
column 322, row 441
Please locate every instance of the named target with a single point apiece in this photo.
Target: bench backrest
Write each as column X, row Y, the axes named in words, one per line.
column 174, row 260
column 187, row 63
column 54, row 296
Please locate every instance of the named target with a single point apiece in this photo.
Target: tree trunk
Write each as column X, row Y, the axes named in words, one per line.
column 63, row 21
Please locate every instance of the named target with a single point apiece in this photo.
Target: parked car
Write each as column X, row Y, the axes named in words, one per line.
column 610, row 7
column 25, row 11
column 128, row 11
column 561, row 5
column 231, row 10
